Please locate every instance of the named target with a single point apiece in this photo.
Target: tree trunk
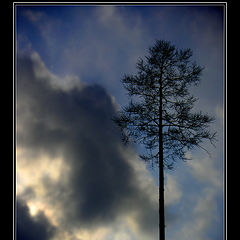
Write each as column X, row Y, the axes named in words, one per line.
column 161, row 200
column 161, row 175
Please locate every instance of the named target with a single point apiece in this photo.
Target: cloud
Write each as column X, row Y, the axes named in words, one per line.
column 205, row 212
column 204, row 217
column 196, row 214
column 28, row 227
column 206, row 172
column 173, row 192
column 63, row 123
column 69, row 153
column 72, row 167
column 219, row 110
column 33, row 16
column 100, row 45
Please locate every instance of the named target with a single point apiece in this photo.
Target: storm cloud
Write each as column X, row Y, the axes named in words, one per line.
column 28, row 227
column 71, row 166
column 75, row 124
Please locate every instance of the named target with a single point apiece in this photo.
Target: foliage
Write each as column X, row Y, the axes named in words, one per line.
column 161, row 105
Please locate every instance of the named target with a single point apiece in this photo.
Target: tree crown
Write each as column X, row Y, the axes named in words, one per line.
column 161, row 105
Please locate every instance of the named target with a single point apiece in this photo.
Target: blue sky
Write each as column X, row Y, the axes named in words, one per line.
column 90, row 48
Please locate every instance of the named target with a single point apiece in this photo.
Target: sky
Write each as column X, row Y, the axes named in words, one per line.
column 75, row 180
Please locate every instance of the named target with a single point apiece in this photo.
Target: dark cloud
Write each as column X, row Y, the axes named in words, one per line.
column 28, row 227
column 77, row 125
column 100, row 45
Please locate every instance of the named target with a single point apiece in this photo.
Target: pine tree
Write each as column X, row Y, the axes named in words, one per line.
column 159, row 115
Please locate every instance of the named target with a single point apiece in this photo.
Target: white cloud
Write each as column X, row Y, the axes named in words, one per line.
column 197, row 186
column 205, row 171
column 202, row 218
column 173, row 192
column 99, row 48
column 35, row 16
column 220, row 113
column 65, row 83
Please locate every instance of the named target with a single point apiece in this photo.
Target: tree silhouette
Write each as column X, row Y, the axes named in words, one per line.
column 159, row 114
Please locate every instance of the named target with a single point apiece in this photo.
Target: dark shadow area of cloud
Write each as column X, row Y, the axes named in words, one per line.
column 77, row 125
column 28, row 227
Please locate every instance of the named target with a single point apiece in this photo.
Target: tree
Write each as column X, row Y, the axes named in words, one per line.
column 159, row 114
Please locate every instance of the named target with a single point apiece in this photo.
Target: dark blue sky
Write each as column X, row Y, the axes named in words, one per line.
column 75, row 45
